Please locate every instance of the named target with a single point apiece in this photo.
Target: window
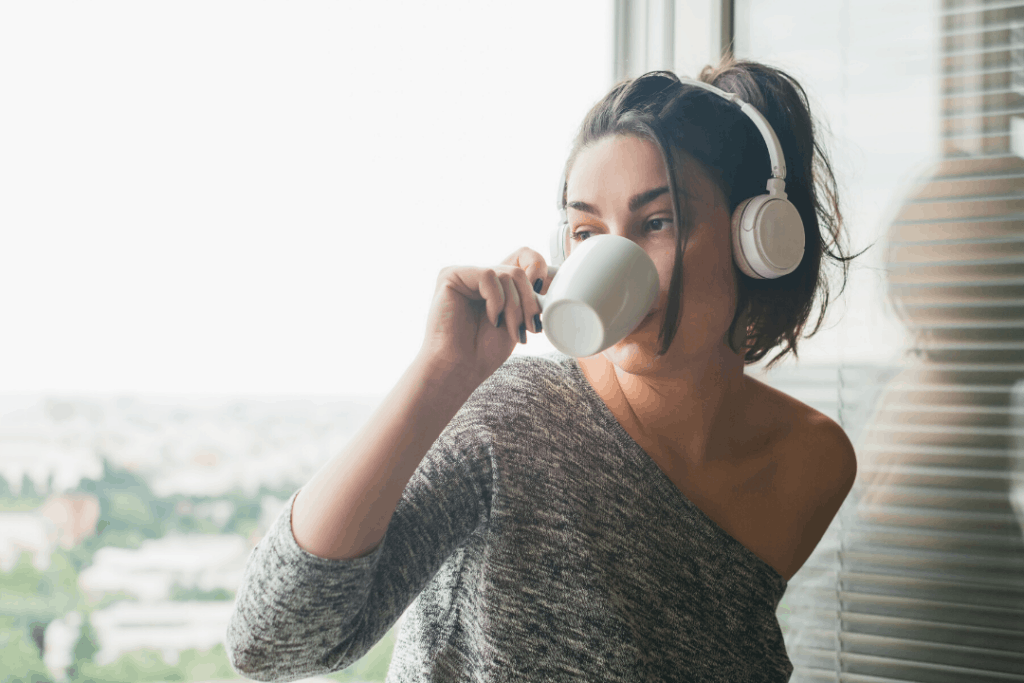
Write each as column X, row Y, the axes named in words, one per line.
column 222, row 228
column 919, row 577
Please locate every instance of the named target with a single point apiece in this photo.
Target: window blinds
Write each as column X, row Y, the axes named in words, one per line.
column 921, row 574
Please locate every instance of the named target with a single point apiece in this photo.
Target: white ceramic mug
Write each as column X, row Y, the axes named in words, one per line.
column 602, row 291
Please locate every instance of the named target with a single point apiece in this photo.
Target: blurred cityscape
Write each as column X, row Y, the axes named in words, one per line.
column 125, row 524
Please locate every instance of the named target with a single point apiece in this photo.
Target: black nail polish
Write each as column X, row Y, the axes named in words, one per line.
column 537, row 285
column 536, row 323
column 522, row 333
column 501, row 317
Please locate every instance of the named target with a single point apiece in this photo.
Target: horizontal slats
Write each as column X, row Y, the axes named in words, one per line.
column 996, row 155
column 972, row 72
column 928, row 231
column 871, row 537
column 927, row 183
column 969, row 320
column 894, row 633
column 963, row 196
column 956, row 655
column 969, row 186
column 920, row 563
column 968, row 208
column 935, row 486
column 988, row 367
column 974, row 51
column 921, row 574
column 929, row 583
column 945, row 430
column 968, row 304
column 986, row 146
column 935, row 474
column 929, row 598
column 945, row 169
column 966, row 281
column 859, row 668
column 940, row 259
column 959, row 410
column 925, row 448
column 976, row 9
column 964, row 521
column 987, row 112
column 895, row 616
column 954, row 31
column 992, row 94
column 989, row 136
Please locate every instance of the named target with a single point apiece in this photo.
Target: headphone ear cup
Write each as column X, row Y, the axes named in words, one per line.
column 558, row 247
column 767, row 237
column 739, row 255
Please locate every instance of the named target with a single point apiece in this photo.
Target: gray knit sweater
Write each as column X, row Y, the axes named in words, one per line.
column 536, row 541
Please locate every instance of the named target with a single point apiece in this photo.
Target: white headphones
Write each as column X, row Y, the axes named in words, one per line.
column 767, row 232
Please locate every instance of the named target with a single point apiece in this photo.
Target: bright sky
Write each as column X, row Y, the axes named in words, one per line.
column 240, row 198
column 256, row 198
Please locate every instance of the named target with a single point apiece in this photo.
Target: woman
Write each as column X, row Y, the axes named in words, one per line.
column 630, row 516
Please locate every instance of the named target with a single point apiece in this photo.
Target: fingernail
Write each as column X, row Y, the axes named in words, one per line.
column 536, row 322
column 501, row 316
column 537, row 285
column 522, row 333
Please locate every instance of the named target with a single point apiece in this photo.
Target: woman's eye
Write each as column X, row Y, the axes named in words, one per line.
column 659, row 223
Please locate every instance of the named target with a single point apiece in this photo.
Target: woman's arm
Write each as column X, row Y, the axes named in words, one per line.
column 344, row 510
column 367, row 533
column 383, row 517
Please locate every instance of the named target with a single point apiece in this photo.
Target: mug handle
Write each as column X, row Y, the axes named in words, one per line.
column 552, row 271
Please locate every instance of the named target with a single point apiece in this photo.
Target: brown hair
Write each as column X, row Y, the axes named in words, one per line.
column 689, row 123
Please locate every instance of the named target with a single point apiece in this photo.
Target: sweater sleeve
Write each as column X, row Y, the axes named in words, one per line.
column 298, row 615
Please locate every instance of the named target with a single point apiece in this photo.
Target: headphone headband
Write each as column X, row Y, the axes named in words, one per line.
column 775, row 154
column 767, row 132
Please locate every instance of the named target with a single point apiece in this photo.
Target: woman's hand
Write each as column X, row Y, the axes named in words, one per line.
column 463, row 333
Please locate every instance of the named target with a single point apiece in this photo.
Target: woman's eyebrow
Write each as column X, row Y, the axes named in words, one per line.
column 635, row 202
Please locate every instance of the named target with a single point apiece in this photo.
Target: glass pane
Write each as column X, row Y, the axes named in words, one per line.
column 919, row 574
column 222, row 227
column 870, row 70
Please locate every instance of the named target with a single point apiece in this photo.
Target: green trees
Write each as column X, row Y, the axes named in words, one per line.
column 30, row 599
column 22, row 662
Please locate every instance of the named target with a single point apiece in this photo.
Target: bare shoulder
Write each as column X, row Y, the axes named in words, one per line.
column 819, row 472
column 810, row 440
column 836, row 458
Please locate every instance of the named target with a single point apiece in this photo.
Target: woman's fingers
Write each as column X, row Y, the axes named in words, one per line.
column 528, row 267
column 521, row 307
column 493, row 291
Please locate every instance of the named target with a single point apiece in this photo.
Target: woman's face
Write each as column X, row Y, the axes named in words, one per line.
column 604, row 179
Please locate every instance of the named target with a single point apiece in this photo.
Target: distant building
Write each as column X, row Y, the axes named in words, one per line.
column 74, row 515
column 26, row 532
column 59, row 641
column 167, row 627
column 203, row 561
column 63, row 520
column 179, row 446
column 41, row 449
